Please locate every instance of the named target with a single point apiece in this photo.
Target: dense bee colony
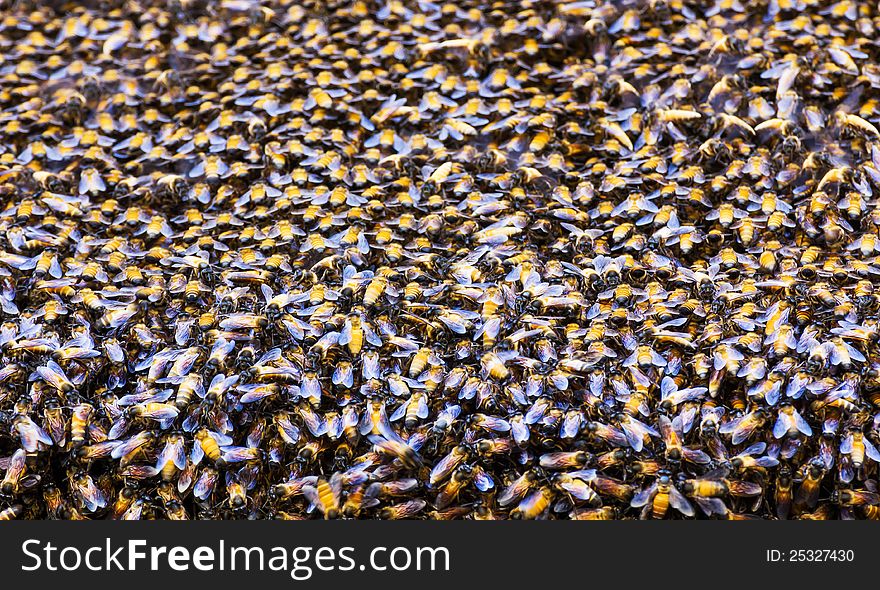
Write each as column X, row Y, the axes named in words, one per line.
column 487, row 260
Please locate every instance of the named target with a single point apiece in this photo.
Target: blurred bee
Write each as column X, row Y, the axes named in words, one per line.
column 534, row 505
column 326, row 496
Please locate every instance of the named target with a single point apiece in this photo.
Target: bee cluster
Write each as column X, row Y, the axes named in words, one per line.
column 386, row 259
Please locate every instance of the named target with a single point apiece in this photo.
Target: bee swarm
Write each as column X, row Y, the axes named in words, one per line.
column 412, row 259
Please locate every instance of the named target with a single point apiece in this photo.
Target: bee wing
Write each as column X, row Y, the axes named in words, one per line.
column 755, row 449
column 162, row 412
column 691, row 394
column 844, row 390
column 92, row 497
column 288, row 430
column 55, row 268
column 335, row 427
column 772, row 395
column 400, row 412
column 255, row 392
column 31, row 435
column 512, row 493
column 237, row 454
column 657, row 359
column 536, row 411
column 204, row 486
column 802, row 424
column 780, row 428
column 796, row 386
column 854, row 353
column 345, row 335
column 422, row 411
column 314, row 422
column 696, row 456
column 497, row 424
column 199, row 387
column 520, row 431
column 871, row 450
column 370, row 334
column 336, row 485
column 571, row 425
column 491, row 327
column 269, row 356
column 311, row 494
column 667, row 387
column 744, row 489
column 266, row 290
column 118, row 428
column 366, row 424
column 221, row 439
column 644, row 496
column 633, row 435
column 578, row 489
column 344, row 375
column 222, row 346
column 349, row 418
column 687, row 418
column 53, row 374
column 217, row 381
column 483, row 481
column 443, row 468
column 311, row 388
column 174, row 453
column 125, row 447
column 711, row 506
column 679, row 502
column 197, row 454
column 742, row 430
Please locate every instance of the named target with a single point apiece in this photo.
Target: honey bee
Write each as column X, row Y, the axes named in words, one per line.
column 14, row 471
column 326, row 495
column 656, row 499
column 534, row 505
column 401, row 450
column 808, row 492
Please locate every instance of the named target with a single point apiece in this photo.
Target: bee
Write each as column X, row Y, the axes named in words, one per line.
column 396, row 447
column 603, row 513
column 172, row 458
column 79, row 422
column 745, row 426
column 534, row 505
column 812, row 474
column 746, row 459
column 209, row 445
column 326, row 495
column 850, row 497
column 31, row 436
column 656, row 499
column 564, row 460
column 412, row 411
column 375, row 288
column 236, row 492
column 90, row 495
column 14, row 471
column 857, row 447
column 494, row 364
column 783, row 492
column 403, row 510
